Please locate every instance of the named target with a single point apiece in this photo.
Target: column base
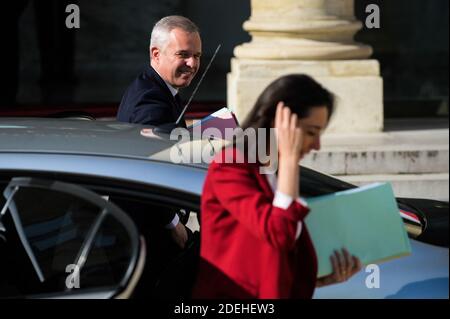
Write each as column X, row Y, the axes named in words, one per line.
column 357, row 85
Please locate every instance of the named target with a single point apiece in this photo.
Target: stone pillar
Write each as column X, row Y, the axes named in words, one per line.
column 314, row 37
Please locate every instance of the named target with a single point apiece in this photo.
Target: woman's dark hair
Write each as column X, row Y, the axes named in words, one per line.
column 298, row 91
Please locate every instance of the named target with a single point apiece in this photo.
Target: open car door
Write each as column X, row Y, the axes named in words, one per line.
column 59, row 240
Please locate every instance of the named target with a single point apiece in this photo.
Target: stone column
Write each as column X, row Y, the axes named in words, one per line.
column 314, row 37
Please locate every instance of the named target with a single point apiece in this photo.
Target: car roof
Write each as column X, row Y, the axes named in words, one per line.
column 83, row 137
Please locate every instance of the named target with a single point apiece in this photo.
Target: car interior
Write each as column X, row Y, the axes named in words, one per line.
column 167, row 271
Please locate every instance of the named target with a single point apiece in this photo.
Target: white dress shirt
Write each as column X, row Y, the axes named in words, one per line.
column 176, row 219
column 283, row 201
column 173, row 90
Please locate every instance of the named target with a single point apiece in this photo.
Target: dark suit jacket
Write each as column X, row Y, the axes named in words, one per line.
column 148, row 100
column 248, row 246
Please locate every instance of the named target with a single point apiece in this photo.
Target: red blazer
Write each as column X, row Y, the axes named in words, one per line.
column 248, row 246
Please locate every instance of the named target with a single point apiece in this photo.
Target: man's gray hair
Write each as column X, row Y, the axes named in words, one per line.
column 162, row 28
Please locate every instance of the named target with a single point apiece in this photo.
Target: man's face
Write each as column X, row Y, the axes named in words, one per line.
column 178, row 62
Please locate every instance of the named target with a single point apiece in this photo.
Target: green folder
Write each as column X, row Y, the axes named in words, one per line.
column 365, row 220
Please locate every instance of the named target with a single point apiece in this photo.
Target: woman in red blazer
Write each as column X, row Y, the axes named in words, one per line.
column 254, row 243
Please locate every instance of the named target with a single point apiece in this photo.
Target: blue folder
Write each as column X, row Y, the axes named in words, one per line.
column 365, row 220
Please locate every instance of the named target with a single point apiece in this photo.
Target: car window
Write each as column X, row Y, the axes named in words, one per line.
column 314, row 183
column 60, row 238
column 169, row 272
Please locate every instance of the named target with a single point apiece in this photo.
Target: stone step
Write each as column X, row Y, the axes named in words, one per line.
column 431, row 186
column 382, row 161
column 405, row 152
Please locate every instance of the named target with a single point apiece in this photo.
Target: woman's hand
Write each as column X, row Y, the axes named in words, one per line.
column 344, row 267
column 289, row 136
column 289, row 139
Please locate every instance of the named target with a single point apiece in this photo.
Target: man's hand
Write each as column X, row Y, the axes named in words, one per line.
column 179, row 235
column 344, row 267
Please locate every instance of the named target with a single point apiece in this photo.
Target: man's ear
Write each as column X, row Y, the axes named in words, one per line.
column 154, row 53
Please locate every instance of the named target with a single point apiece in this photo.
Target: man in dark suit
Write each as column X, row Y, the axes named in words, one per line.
column 175, row 50
column 152, row 98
